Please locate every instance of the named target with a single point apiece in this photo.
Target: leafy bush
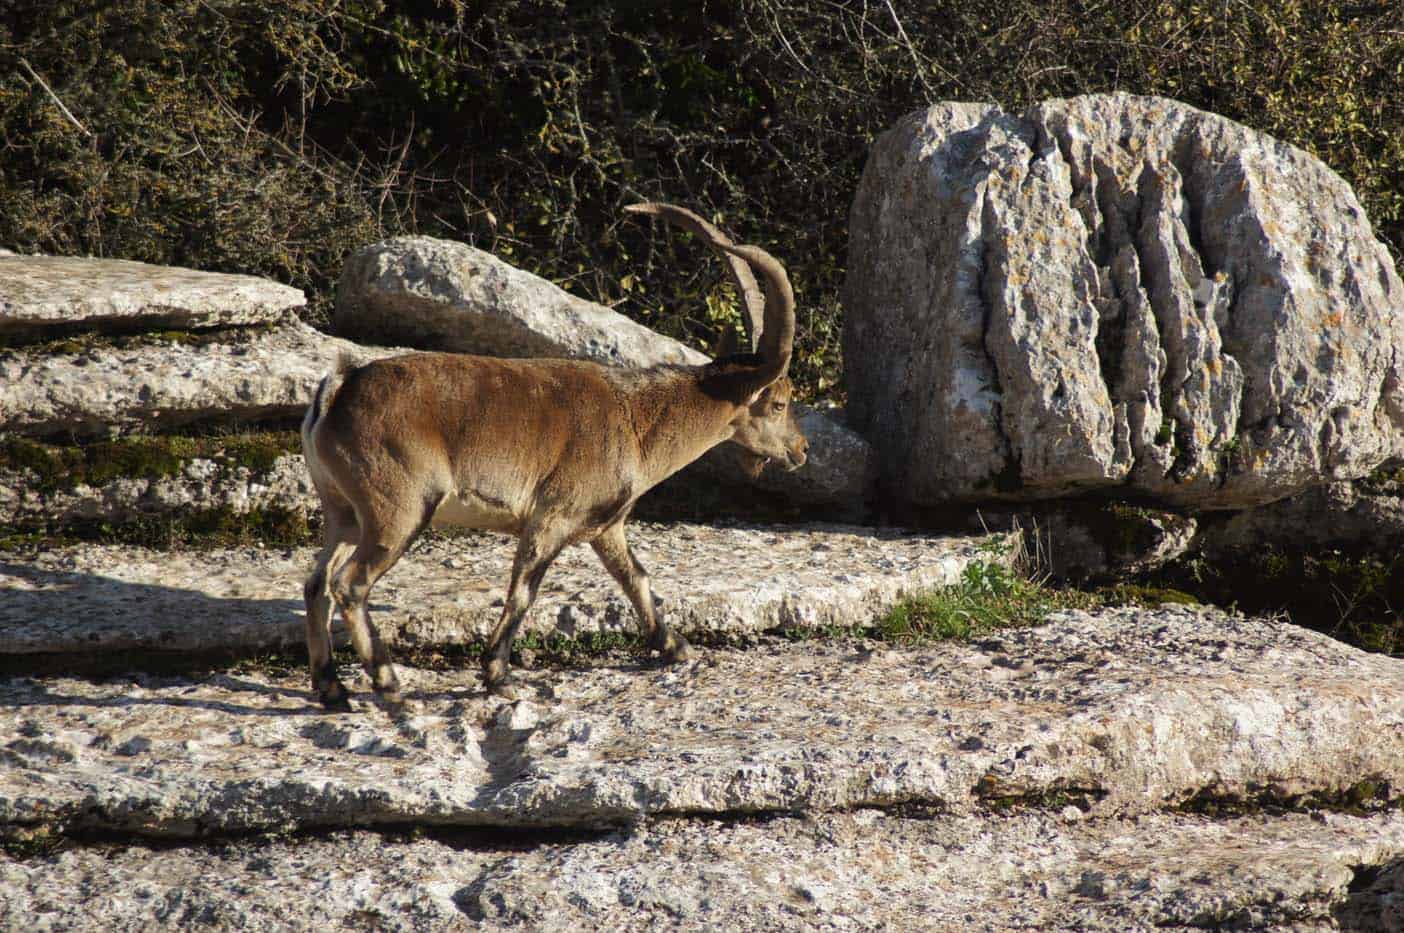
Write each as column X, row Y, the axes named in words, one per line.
column 274, row 137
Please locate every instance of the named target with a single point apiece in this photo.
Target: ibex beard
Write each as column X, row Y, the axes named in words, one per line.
column 556, row 452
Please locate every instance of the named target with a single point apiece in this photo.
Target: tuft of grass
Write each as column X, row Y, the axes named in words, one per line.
column 989, row 596
column 22, row 843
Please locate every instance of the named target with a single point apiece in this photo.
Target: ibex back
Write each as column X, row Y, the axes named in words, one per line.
column 554, row 451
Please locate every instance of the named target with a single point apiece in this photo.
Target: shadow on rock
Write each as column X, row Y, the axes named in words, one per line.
column 54, row 622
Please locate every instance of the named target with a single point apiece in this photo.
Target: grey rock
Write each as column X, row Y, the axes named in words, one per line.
column 1136, row 710
column 448, row 590
column 866, row 869
column 105, row 390
column 43, row 295
column 1115, row 291
column 201, row 485
column 442, row 295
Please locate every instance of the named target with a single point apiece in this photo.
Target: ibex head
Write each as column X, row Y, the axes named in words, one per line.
column 765, row 428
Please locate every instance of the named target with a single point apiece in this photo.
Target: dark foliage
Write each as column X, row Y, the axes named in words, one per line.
column 272, row 138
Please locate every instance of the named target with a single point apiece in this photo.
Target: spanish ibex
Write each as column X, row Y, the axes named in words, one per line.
column 554, row 451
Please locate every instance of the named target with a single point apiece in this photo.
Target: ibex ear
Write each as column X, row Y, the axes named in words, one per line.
column 762, row 393
column 728, row 344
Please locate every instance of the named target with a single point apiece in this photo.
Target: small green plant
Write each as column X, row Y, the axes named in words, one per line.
column 989, row 596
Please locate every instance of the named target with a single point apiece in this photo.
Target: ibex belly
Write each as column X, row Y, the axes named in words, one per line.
column 468, row 509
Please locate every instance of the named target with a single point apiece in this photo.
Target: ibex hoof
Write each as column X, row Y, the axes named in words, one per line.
column 336, row 701
column 497, row 679
column 673, row 648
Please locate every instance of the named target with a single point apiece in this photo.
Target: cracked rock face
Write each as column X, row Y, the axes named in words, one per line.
column 44, row 295
column 866, row 870
column 1115, row 291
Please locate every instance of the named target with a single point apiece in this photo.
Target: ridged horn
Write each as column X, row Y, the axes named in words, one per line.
column 747, row 288
column 778, row 336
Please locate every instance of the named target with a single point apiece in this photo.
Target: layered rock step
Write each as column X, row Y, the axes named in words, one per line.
column 132, row 479
column 1131, row 711
column 866, row 869
column 43, row 296
column 102, row 390
column 448, row 590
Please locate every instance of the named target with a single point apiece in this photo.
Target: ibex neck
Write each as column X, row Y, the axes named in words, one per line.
column 677, row 422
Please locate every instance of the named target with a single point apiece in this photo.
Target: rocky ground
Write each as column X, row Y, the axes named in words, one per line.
column 1128, row 769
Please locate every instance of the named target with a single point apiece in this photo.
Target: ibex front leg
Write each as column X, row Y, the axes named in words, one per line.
column 536, row 549
column 619, row 560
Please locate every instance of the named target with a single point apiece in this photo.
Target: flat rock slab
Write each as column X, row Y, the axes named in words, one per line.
column 41, row 295
column 1134, row 710
column 448, row 589
column 865, row 870
column 103, row 390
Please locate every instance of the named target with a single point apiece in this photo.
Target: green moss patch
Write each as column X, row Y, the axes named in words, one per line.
column 155, row 457
column 273, row 526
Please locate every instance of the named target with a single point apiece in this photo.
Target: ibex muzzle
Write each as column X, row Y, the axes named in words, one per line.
column 554, row 451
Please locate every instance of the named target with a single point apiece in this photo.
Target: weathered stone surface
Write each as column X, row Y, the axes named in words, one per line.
column 865, row 870
column 1135, row 709
column 202, row 485
column 45, row 294
column 1115, row 291
column 442, row 295
column 448, row 589
column 104, row 390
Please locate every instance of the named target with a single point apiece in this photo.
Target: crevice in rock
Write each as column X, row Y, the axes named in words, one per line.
column 1363, row 798
column 127, row 334
column 41, row 841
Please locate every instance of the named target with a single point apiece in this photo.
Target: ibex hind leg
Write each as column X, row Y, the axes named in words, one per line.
column 619, row 560
column 381, row 545
column 536, row 549
column 338, row 541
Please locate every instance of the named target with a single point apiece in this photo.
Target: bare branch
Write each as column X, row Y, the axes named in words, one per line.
column 55, row 98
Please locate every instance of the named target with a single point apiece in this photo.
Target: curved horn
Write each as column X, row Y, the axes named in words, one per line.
column 746, row 288
column 778, row 337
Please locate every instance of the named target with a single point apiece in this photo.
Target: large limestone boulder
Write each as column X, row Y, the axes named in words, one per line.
column 160, row 385
column 442, row 295
column 1115, row 292
column 50, row 295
